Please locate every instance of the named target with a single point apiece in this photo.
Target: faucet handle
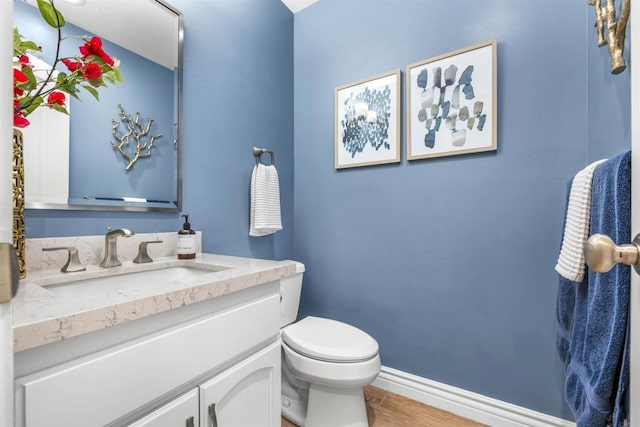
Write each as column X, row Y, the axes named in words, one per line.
column 73, row 261
column 143, row 256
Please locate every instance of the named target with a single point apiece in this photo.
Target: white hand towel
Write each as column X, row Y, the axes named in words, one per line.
column 571, row 263
column 265, row 201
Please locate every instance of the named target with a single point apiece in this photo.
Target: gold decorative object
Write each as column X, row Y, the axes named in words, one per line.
column 19, row 234
column 136, row 131
column 615, row 30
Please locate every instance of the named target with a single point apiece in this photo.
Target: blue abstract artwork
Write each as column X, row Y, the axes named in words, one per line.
column 367, row 114
column 366, row 120
column 451, row 100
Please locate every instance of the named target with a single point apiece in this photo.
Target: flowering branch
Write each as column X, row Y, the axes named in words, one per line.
column 88, row 71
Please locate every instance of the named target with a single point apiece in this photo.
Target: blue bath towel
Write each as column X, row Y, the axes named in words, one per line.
column 593, row 315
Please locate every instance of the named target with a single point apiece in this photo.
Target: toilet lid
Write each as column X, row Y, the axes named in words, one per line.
column 329, row 340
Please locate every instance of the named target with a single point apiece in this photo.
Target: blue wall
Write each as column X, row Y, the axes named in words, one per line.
column 449, row 262
column 238, row 69
column 609, row 100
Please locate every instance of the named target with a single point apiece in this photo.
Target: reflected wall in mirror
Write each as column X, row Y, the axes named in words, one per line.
column 146, row 36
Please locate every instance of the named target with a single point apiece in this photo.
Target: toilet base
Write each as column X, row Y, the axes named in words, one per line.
column 331, row 406
column 294, row 409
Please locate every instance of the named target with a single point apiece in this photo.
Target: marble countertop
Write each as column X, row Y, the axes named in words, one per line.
column 42, row 314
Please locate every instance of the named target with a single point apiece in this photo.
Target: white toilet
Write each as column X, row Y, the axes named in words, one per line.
column 325, row 365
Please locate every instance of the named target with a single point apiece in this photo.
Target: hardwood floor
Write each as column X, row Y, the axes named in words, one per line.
column 387, row 409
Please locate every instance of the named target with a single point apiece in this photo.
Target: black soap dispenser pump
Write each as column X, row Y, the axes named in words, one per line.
column 186, row 240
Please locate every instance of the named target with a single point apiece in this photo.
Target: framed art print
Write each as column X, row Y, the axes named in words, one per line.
column 451, row 103
column 367, row 121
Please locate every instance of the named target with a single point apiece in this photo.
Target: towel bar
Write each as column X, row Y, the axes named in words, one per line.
column 257, row 152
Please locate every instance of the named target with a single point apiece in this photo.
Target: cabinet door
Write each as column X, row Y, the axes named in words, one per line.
column 247, row 394
column 180, row 412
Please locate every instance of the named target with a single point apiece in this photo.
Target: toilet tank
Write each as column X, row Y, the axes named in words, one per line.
column 290, row 288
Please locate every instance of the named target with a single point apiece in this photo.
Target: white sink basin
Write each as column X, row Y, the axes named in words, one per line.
column 132, row 276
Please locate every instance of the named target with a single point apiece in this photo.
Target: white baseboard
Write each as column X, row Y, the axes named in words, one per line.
column 473, row 406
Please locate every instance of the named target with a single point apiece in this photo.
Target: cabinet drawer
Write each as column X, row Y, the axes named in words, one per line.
column 97, row 389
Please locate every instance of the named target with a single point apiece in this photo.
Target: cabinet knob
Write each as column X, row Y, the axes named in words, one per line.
column 212, row 414
column 190, row 422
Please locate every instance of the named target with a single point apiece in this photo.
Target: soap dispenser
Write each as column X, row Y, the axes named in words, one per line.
column 186, row 240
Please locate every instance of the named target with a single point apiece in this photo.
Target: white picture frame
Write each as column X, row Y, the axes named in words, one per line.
column 367, row 121
column 451, row 103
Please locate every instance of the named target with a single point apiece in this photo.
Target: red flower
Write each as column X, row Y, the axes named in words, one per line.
column 94, row 47
column 19, row 121
column 91, row 71
column 71, row 65
column 91, row 47
column 107, row 59
column 56, row 98
column 19, row 77
column 23, row 59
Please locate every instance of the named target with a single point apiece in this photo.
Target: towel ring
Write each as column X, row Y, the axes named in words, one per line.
column 257, row 152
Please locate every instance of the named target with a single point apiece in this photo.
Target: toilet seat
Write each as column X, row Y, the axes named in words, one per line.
column 329, row 340
column 333, row 374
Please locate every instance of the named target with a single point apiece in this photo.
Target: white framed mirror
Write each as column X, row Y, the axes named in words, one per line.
column 84, row 171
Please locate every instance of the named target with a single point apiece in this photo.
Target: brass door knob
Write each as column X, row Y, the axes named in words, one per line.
column 601, row 253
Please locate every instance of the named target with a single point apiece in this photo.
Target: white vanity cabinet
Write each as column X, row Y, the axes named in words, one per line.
column 223, row 354
column 245, row 395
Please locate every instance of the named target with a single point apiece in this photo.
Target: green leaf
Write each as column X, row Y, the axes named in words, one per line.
column 59, row 108
column 97, row 82
column 96, row 59
column 50, row 14
column 92, row 91
column 21, row 46
column 31, row 84
column 61, row 77
column 113, row 76
column 70, row 92
column 69, row 88
column 117, row 75
column 17, row 39
column 35, row 104
column 29, row 45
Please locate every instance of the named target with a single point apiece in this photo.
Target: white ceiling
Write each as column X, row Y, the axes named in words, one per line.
column 147, row 28
column 297, row 5
column 154, row 37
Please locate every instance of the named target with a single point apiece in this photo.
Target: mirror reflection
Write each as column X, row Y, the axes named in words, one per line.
column 80, row 161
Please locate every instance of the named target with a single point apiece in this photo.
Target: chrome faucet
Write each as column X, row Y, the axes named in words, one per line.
column 111, row 249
